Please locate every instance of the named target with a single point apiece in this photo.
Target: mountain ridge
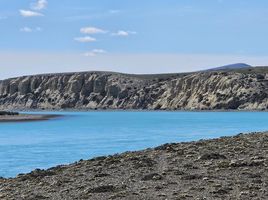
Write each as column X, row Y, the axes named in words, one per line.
column 230, row 67
column 243, row 89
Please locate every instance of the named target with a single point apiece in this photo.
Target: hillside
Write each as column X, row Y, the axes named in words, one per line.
column 244, row 89
column 231, row 67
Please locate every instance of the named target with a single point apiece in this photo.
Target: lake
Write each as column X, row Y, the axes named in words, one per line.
column 25, row 146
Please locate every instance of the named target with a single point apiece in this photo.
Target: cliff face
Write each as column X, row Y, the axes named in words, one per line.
column 103, row 90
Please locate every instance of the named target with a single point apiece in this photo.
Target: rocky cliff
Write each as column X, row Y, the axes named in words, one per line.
column 233, row 89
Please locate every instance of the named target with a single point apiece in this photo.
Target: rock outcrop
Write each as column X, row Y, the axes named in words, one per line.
column 245, row 89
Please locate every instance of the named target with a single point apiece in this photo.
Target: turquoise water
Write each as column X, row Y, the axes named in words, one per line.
column 25, row 146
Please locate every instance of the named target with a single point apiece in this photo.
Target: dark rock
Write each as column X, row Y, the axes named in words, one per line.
column 102, row 189
column 152, row 176
column 211, row 156
column 102, row 175
column 260, row 76
column 222, row 191
column 191, row 177
column 256, row 162
column 40, row 173
column 142, row 162
column 238, row 163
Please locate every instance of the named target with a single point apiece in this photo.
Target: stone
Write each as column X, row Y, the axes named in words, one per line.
column 102, row 189
column 212, row 156
column 24, row 86
column 99, row 85
column 152, row 176
column 113, row 90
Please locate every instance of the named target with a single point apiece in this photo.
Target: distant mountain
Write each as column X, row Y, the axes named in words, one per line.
column 231, row 66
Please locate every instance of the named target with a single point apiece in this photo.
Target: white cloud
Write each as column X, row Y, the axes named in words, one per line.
column 91, row 30
column 39, row 5
column 94, row 52
column 29, row 13
column 91, row 15
column 38, row 29
column 85, row 39
column 114, row 11
column 98, row 51
column 124, row 33
column 29, row 30
column 26, row 29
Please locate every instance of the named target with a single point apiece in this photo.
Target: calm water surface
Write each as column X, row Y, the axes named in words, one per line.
column 82, row 135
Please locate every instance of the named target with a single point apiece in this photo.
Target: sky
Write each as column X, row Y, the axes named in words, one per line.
column 141, row 36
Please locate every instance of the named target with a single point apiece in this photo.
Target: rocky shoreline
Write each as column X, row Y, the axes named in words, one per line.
column 224, row 168
column 26, row 117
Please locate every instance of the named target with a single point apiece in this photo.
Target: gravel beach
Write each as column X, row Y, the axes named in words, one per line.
column 26, row 117
column 224, row 168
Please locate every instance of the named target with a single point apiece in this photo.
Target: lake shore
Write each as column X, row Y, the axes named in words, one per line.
column 26, row 117
column 224, row 168
column 137, row 110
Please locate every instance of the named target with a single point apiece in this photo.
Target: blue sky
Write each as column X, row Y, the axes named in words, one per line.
column 39, row 36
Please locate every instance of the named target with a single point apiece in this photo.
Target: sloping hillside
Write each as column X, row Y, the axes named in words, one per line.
column 231, row 67
column 231, row 89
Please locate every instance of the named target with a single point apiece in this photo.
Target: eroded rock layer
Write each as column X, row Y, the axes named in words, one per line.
column 239, row 89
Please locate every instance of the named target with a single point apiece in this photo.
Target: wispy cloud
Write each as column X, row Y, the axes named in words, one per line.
column 38, row 29
column 93, row 14
column 91, row 30
column 122, row 33
column 94, row 52
column 85, row 39
column 114, row 11
column 26, row 30
column 39, row 5
column 29, row 13
column 29, row 30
